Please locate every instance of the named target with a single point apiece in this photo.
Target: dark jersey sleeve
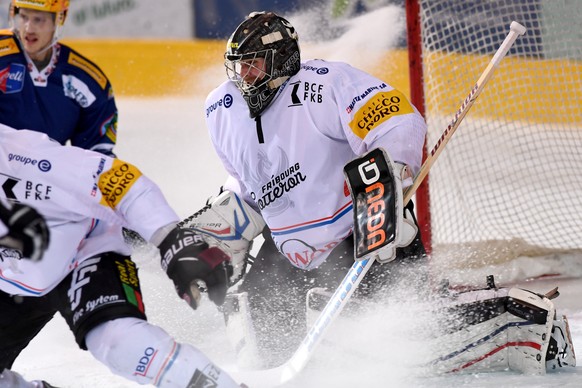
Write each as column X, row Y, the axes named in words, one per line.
column 96, row 127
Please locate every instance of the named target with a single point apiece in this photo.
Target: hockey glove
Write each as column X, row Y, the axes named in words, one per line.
column 375, row 183
column 231, row 224
column 28, row 231
column 189, row 261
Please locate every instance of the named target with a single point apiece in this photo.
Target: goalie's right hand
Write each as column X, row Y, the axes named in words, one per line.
column 187, row 259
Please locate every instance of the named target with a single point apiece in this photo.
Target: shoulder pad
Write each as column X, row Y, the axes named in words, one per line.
column 8, row 43
column 88, row 67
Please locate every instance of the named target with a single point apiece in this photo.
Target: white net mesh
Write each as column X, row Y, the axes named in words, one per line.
column 510, row 180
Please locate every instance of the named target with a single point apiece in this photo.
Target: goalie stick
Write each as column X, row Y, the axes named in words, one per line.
column 287, row 371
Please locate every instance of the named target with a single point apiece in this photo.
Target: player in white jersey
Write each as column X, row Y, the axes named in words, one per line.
column 86, row 273
column 284, row 130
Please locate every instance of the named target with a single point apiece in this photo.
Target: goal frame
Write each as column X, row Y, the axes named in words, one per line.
column 414, row 33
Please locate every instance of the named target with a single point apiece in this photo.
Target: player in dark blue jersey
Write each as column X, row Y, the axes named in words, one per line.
column 45, row 85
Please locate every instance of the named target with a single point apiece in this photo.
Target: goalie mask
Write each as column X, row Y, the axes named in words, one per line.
column 261, row 54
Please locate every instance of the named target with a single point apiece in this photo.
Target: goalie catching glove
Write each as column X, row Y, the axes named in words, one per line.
column 189, row 261
column 230, row 224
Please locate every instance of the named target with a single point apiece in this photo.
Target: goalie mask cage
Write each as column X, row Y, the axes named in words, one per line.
column 509, row 183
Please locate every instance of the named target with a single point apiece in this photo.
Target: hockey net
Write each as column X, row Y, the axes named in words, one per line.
column 509, row 183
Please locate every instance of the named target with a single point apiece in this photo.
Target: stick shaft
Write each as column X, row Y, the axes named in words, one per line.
column 516, row 30
column 331, row 310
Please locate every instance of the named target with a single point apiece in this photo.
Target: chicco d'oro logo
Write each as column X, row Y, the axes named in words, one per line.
column 380, row 107
column 116, row 182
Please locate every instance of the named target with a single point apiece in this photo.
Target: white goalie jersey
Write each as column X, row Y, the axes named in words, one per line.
column 288, row 162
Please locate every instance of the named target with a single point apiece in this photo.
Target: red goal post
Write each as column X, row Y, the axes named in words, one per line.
column 509, row 183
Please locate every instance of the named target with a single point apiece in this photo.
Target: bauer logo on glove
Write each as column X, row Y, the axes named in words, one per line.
column 177, row 247
column 190, row 262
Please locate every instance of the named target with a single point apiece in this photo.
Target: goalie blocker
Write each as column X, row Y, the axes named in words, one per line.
column 375, row 183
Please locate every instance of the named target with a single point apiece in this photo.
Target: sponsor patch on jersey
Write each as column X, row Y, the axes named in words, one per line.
column 116, row 182
column 8, row 46
column 363, row 95
column 318, row 70
column 89, row 68
column 77, row 90
column 379, row 108
column 100, row 168
column 143, row 365
column 306, row 91
column 301, row 253
column 225, row 101
column 43, row 164
column 109, row 128
column 128, row 276
column 12, row 78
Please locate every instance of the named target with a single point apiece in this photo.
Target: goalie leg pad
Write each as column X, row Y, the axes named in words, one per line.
column 375, row 183
column 560, row 350
column 500, row 329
